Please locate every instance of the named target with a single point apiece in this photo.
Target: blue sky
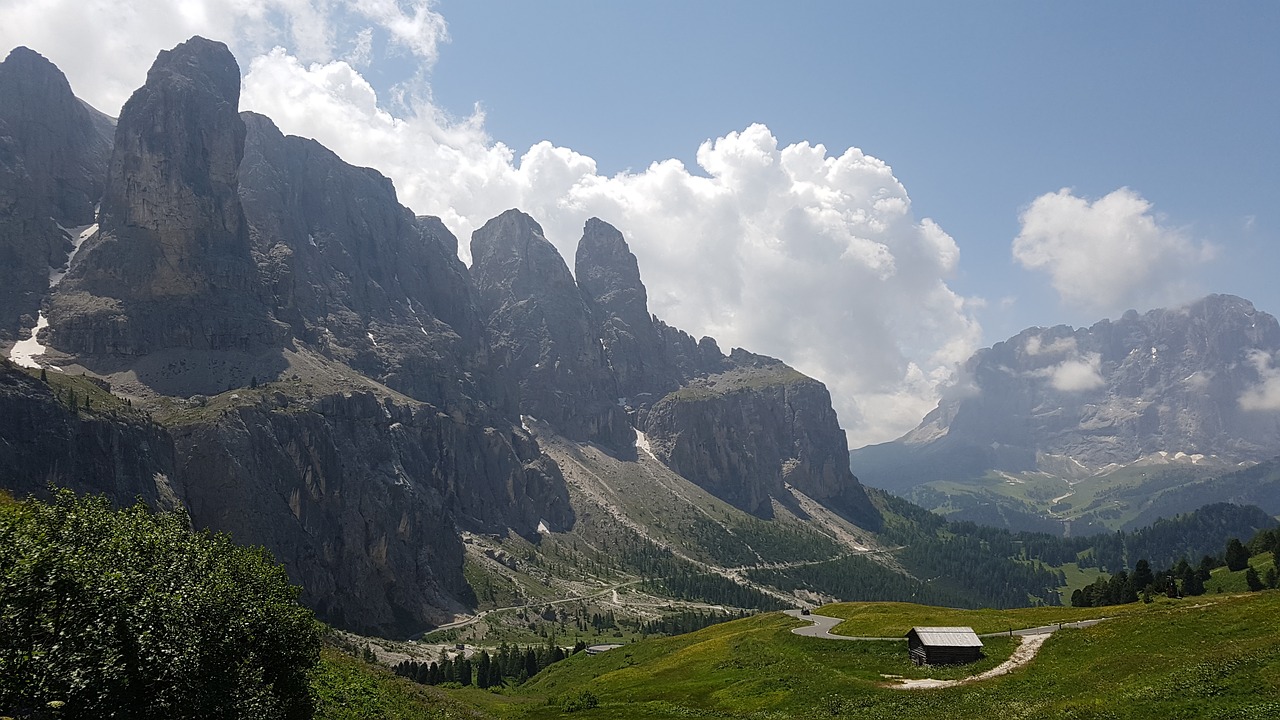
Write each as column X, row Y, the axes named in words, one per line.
column 979, row 107
column 984, row 166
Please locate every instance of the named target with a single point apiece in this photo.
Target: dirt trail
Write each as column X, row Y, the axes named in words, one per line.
column 1021, row 656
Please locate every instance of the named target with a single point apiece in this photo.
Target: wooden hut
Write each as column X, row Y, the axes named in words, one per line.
column 943, row 645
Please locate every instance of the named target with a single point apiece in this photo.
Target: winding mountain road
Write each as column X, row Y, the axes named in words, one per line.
column 822, row 626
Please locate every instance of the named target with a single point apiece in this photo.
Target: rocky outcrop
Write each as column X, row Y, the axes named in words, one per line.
column 48, row 436
column 356, row 275
column 1189, row 380
column 171, row 264
column 53, row 161
column 746, row 433
column 541, row 334
column 743, row 427
column 362, row 498
column 609, row 278
column 62, row 144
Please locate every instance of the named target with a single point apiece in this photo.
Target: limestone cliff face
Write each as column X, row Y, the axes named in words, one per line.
column 53, row 161
column 742, row 426
column 541, row 334
column 362, row 498
column 356, row 275
column 609, row 278
column 61, row 143
column 1186, row 380
column 104, row 451
column 747, row 432
column 171, row 264
column 382, row 416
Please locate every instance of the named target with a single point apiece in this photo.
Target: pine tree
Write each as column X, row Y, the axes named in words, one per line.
column 482, row 670
column 1192, row 585
column 1252, row 580
column 1142, row 577
column 1237, row 556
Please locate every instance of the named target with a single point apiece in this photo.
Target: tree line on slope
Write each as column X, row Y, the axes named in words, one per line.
column 510, row 664
column 1183, row 580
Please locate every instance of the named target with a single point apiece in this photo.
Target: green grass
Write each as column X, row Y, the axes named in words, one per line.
column 894, row 619
column 78, row 387
column 1222, row 580
column 1210, row 657
column 1078, row 577
column 738, row 379
column 349, row 689
column 1113, row 500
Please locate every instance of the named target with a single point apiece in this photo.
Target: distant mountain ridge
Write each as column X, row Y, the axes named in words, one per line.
column 1170, row 387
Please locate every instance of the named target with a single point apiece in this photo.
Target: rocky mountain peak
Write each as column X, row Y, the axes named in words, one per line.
column 609, row 276
column 1172, row 380
column 62, row 143
column 174, row 170
column 541, row 333
column 607, row 271
column 171, row 265
column 355, row 273
column 53, row 161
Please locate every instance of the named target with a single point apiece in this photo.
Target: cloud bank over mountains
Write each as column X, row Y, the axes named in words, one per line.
column 812, row 256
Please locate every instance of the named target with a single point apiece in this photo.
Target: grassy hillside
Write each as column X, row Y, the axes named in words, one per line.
column 349, row 689
column 1215, row 656
column 1222, row 580
column 895, row 619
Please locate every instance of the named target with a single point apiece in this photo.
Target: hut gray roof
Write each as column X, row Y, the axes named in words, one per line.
column 946, row 636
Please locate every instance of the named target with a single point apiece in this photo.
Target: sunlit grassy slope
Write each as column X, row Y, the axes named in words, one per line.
column 1208, row 657
column 895, row 619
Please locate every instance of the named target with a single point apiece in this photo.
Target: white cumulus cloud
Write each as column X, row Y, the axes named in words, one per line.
column 1077, row 374
column 1110, row 254
column 106, row 46
column 1265, row 396
column 788, row 250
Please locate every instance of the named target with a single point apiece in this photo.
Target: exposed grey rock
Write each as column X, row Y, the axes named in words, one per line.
column 746, row 432
column 53, row 160
column 541, row 334
column 362, row 499
column 223, row 242
column 356, row 275
column 62, row 144
column 171, row 264
column 47, row 437
column 1168, row 380
column 609, row 277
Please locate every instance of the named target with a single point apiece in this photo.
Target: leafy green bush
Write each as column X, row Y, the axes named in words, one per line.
column 581, row 700
column 127, row 613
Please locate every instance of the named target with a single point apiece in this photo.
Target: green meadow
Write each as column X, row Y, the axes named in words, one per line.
column 1208, row 657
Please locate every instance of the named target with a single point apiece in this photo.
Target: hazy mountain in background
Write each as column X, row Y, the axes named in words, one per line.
column 1051, row 415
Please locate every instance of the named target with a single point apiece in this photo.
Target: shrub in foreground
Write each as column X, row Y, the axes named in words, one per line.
column 127, row 613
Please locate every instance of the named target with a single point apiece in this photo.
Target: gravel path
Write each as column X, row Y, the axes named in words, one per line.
column 1031, row 640
column 1025, row 651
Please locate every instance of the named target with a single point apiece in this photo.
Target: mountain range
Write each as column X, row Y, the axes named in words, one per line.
column 206, row 314
column 1100, row 427
column 236, row 322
